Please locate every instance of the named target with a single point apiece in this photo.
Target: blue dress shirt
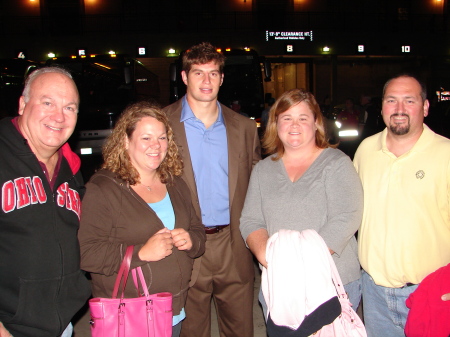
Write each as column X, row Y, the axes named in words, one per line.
column 209, row 155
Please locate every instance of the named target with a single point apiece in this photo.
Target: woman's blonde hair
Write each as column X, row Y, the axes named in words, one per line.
column 115, row 154
column 271, row 141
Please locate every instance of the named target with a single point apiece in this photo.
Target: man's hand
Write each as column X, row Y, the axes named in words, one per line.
column 4, row 332
column 446, row 297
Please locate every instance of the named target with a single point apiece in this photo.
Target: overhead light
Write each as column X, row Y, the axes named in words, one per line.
column 326, row 49
column 86, row 150
column 348, row 133
column 171, row 52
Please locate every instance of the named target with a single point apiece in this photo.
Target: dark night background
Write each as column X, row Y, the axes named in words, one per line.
column 386, row 29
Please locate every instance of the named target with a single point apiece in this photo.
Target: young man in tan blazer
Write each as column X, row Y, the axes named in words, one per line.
column 219, row 149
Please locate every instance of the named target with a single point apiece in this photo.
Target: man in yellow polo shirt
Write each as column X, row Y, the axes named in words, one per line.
column 405, row 231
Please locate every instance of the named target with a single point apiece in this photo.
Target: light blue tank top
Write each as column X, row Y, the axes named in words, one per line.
column 164, row 211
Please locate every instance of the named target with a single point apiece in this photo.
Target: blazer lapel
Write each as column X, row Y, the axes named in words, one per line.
column 233, row 136
column 181, row 140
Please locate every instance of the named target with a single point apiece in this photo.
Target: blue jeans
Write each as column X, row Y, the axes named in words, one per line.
column 385, row 311
column 354, row 291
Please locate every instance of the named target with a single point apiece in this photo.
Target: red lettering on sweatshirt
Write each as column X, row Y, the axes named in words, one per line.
column 61, row 194
column 25, row 191
column 22, row 192
column 8, row 197
column 69, row 198
column 39, row 189
column 23, row 199
column 31, row 191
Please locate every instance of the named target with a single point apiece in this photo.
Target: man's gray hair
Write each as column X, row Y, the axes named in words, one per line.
column 36, row 73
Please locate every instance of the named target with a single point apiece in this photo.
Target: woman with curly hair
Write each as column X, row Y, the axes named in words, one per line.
column 138, row 198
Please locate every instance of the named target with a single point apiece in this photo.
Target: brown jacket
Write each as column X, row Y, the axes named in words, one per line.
column 114, row 217
column 244, row 151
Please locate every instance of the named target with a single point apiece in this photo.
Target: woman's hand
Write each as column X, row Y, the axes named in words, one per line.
column 157, row 247
column 446, row 297
column 181, row 239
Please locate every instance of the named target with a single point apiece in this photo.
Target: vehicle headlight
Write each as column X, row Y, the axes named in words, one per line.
column 348, row 133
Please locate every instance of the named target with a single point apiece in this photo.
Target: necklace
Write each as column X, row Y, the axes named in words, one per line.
column 147, row 187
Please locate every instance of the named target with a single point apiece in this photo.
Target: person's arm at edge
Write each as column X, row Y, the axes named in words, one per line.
column 252, row 217
column 3, row 331
column 345, row 205
column 446, row 297
column 256, row 147
column 257, row 242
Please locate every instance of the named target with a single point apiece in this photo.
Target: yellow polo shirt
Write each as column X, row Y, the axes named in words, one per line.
column 405, row 231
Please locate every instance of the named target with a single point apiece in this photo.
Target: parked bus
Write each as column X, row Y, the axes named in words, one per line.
column 107, row 84
column 243, row 80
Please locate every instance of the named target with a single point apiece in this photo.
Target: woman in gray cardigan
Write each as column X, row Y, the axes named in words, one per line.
column 305, row 183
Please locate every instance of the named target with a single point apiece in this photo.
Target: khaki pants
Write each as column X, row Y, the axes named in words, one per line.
column 218, row 279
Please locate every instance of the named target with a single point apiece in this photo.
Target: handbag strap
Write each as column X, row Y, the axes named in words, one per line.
column 135, row 272
column 123, row 272
column 342, row 294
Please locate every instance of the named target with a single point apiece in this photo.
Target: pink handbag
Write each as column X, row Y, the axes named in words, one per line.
column 144, row 316
column 348, row 323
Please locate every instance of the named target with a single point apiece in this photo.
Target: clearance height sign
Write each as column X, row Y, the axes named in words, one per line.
column 289, row 36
